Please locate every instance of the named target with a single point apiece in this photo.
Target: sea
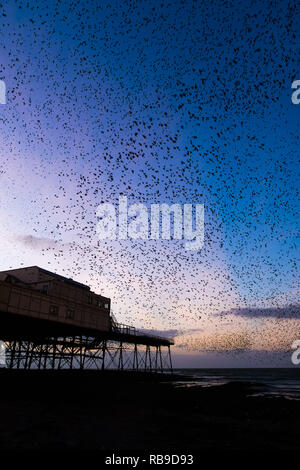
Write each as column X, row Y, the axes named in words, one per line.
column 267, row 382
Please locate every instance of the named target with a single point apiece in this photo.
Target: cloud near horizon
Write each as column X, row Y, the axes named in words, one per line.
column 36, row 243
column 286, row 312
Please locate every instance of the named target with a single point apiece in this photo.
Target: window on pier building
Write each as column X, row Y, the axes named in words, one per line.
column 53, row 310
column 45, row 289
column 70, row 314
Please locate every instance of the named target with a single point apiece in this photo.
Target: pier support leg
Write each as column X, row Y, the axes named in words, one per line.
column 103, row 353
column 170, row 359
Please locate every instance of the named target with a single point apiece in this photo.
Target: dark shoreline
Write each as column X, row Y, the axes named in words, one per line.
column 111, row 412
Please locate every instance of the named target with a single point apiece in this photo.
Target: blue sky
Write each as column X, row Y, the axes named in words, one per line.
column 176, row 102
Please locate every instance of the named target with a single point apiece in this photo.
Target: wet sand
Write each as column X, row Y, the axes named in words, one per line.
column 113, row 412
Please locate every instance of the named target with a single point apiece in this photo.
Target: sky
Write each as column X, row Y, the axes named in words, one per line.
column 174, row 102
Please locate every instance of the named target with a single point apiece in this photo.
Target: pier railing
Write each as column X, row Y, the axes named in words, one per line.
column 132, row 331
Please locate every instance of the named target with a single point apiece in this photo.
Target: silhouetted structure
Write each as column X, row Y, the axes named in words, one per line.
column 50, row 321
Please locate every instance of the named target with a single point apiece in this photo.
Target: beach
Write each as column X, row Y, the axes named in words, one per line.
column 120, row 412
